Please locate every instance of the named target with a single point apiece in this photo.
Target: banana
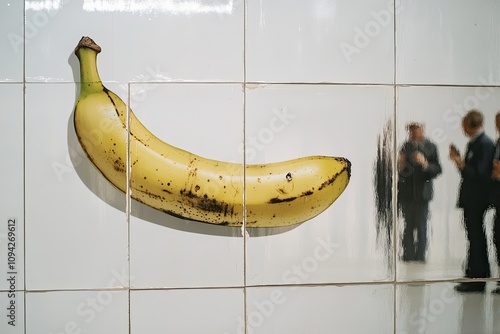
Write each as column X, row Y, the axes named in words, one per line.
column 186, row 185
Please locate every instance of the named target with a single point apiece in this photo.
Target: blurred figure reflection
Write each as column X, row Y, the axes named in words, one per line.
column 383, row 191
column 474, row 196
column 496, row 196
column 418, row 164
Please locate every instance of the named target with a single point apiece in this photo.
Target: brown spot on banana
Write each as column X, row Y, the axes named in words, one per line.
column 119, row 165
column 276, row 200
column 334, row 177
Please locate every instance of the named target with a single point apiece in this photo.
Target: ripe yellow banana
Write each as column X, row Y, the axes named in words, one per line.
column 186, row 185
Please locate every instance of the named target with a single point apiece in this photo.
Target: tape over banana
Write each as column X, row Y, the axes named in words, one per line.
column 186, row 185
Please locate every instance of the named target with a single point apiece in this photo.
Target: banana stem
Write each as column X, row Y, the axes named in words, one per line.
column 87, row 51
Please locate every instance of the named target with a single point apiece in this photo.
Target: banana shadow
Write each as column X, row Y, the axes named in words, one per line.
column 102, row 188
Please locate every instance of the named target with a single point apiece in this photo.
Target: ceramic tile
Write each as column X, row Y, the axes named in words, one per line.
column 320, row 41
column 103, row 311
column 13, row 312
column 173, row 311
column 437, row 45
column 166, row 251
column 347, row 242
column 12, row 43
column 437, row 308
column 140, row 42
column 441, row 110
column 320, row 309
column 75, row 219
column 12, row 180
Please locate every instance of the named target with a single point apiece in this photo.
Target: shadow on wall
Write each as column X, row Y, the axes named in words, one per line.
column 101, row 187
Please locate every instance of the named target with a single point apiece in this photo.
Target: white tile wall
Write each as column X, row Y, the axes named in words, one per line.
column 320, row 41
column 12, row 42
column 436, row 308
column 354, row 309
column 319, row 120
column 13, row 304
column 263, row 81
column 102, row 311
column 214, row 311
column 210, row 125
column 454, row 43
column 167, row 43
column 76, row 226
column 12, row 186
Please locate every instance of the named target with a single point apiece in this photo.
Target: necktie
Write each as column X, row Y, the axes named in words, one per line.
column 467, row 149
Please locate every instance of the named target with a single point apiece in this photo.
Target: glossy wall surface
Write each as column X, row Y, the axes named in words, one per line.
column 249, row 82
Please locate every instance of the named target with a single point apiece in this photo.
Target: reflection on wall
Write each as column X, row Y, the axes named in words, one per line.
column 141, row 6
column 383, row 190
column 441, row 110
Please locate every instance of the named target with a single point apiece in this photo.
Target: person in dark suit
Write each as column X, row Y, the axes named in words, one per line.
column 474, row 196
column 418, row 165
column 496, row 196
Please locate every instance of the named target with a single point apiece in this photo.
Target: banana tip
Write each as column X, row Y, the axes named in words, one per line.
column 87, row 42
column 348, row 166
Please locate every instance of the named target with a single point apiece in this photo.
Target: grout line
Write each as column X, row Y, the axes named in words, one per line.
column 276, row 83
column 394, row 177
column 295, row 286
column 24, row 173
column 395, row 241
column 128, row 201
column 244, row 231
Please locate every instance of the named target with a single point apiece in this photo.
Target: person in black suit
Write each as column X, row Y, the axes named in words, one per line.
column 474, row 196
column 418, row 165
column 496, row 196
